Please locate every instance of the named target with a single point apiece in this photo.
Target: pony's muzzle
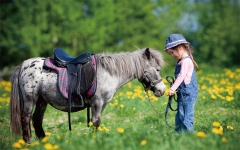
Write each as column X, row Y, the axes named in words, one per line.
column 159, row 89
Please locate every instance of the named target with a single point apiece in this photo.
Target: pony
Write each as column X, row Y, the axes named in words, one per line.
column 35, row 86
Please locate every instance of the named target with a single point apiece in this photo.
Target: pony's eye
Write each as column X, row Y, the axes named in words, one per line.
column 158, row 70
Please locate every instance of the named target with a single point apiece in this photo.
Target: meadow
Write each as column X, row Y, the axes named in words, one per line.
column 130, row 123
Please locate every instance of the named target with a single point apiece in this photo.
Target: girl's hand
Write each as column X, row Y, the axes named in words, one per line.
column 171, row 92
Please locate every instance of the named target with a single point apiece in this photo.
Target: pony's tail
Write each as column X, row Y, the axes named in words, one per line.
column 15, row 103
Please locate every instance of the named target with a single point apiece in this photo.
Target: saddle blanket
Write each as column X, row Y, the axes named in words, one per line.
column 63, row 77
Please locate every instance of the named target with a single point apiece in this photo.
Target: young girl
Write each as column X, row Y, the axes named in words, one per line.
column 185, row 84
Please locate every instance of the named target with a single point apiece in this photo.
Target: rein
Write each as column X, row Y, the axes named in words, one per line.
column 169, row 105
column 152, row 84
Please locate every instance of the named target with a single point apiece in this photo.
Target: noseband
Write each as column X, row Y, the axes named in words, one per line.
column 150, row 83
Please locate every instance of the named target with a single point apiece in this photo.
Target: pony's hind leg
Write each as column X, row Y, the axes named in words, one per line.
column 26, row 117
column 41, row 106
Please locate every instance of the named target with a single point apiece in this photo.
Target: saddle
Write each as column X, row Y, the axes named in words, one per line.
column 81, row 75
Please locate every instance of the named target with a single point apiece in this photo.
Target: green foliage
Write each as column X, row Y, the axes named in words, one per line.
column 34, row 28
column 219, row 33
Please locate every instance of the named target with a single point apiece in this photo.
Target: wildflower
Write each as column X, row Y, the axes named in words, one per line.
column 55, row 147
column 90, row 123
column 143, row 142
column 221, row 128
column 213, row 97
column 216, row 124
column 217, row 131
column 48, row 134
column 59, row 137
column 120, row 130
column 85, row 133
column 134, row 108
column 16, row 145
column 224, row 139
column 94, row 136
column 201, row 134
column 45, row 139
column 229, row 98
column 129, row 93
column 121, row 106
column 100, row 128
column 21, row 141
column 35, row 143
column 230, row 127
column 105, row 129
column 24, row 148
column 80, row 123
column 48, row 146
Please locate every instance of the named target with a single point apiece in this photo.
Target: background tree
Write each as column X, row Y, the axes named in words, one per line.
column 34, row 28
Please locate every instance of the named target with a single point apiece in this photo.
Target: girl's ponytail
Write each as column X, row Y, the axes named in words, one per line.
column 190, row 51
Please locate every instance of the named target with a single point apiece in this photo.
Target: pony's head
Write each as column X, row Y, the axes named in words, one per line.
column 150, row 73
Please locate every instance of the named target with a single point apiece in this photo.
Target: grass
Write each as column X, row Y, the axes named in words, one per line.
column 129, row 122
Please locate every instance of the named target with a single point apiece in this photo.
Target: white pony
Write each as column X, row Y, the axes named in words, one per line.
column 35, row 86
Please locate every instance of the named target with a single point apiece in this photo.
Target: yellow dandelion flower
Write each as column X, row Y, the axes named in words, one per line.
column 16, row 145
column 213, row 97
column 143, row 142
column 21, row 141
column 48, row 146
column 121, row 106
column 134, row 108
column 120, row 130
column 105, row 129
column 217, row 131
column 80, row 123
column 100, row 128
column 85, row 133
column 216, row 124
column 230, row 127
column 94, row 136
column 90, row 123
column 129, row 93
column 55, row 147
column 35, row 143
column 24, row 148
column 48, row 134
column 45, row 139
column 59, row 137
column 221, row 128
column 201, row 134
column 224, row 139
column 229, row 98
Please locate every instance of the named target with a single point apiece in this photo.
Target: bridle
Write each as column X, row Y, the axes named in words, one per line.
column 151, row 83
column 147, row 81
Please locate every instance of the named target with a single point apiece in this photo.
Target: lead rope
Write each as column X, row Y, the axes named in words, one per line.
column 169, row 105
column 158, row 112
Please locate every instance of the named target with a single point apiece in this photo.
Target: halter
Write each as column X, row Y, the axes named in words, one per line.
column 147, row 78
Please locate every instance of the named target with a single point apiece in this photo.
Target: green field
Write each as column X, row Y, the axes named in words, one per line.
column 130, row 123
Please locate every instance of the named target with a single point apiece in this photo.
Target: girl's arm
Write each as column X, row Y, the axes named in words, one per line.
column 185, row 73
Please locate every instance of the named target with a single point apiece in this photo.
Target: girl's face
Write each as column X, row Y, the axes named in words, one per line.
column 177, row 52
column 174, row 53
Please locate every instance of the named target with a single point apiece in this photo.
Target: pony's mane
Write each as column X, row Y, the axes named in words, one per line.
column 127, row 63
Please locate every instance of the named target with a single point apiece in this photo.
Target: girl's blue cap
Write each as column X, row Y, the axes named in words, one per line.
column 174, row 40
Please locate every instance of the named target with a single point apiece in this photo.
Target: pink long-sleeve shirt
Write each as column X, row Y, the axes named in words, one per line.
column 185, row 74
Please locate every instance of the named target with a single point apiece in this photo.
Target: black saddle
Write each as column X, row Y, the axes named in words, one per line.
column 64, row 59
column 81, row 75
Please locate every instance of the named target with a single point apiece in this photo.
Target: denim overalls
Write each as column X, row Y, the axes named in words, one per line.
column 186, row 97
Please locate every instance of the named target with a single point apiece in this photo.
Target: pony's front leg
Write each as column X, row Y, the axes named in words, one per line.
column 96, row 112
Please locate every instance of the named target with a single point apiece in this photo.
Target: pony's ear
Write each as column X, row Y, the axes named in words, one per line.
column 147, row 53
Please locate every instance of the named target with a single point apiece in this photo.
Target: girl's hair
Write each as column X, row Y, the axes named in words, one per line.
column 189, row 49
